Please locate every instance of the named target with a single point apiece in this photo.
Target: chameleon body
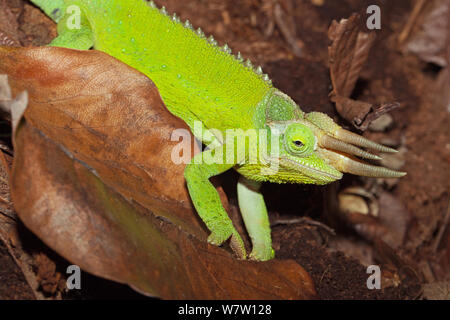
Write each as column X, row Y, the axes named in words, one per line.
column 200, row 81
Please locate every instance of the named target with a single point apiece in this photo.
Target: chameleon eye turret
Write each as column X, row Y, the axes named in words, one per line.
column 299, row 140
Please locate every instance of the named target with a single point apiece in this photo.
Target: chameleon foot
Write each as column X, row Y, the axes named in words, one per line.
column 260, row 253
column 236, row 243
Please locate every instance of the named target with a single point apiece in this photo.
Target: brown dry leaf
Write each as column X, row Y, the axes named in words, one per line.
column 428, row 35
column 93, row 178
column 437, row 291
column 390, row 224
column 9, row 26
column 442, row 96
column 347, row 54
column 431, row 39
column 9, row 233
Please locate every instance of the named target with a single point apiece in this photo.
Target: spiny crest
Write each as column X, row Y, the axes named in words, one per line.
column 212, row 41
column 187, row 24
column 226, row 49
column 175, row 18
column 199, row 32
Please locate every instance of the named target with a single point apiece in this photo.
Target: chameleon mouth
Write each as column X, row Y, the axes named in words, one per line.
column 329, row 175
column 313, row 172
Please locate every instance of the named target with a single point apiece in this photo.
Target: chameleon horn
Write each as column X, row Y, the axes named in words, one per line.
column 367, row 170
column 348, row 165
column 353, row 138
column 334, row 144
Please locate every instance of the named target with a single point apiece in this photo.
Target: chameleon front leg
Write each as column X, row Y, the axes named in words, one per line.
column 256, row 219
column 208, row 204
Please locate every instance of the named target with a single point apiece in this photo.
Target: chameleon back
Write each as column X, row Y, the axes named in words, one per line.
column 196, row 78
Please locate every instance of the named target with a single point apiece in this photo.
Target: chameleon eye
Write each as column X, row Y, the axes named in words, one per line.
column 299, row 140
column 298, row 143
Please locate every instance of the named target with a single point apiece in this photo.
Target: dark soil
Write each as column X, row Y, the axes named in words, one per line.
column 12, row 282
column 420, row 127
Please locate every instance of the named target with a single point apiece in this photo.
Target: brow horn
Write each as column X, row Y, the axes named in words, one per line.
column 357, row 140
column 329, row 142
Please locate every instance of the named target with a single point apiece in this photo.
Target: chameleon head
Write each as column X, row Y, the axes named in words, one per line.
column 312, row 148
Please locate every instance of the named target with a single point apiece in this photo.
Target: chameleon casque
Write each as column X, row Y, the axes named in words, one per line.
column 200, row 81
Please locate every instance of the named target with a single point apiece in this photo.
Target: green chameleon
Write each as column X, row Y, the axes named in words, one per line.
column 201, row 82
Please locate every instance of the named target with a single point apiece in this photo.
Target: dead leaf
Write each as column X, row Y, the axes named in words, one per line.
column 119, row 128
column 437, row 291
column 9, row 233
column 93, row 178
column 347, row 54
column 9, row 26
column 431, row 38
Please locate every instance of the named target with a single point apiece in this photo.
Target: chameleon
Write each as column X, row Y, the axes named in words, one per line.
column 206, row 84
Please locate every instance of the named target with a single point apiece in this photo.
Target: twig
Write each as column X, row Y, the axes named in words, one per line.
column 410, row 23
column 304, row 220
column 440, row 234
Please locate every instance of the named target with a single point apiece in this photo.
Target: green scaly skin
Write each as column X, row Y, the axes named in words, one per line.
column 200, row 81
